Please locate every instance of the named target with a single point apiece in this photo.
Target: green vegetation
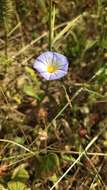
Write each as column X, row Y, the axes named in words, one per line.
column 53, row 134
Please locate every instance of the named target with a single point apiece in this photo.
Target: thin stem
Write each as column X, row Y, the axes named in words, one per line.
column 50, row 25
column 6, row 38
column 17, row 144
column 78, row 159
column 37, row 39
column 66, row 105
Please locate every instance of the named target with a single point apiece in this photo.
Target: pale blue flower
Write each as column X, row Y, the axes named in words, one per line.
column 51, row 65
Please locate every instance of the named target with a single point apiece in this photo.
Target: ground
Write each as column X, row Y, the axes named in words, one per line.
column 48, row 126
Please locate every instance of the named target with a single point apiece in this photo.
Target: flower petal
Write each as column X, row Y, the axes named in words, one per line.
column 63, row 68
column 57, row 75
column 39, row 66
column 61, row 59
column 46, row 75
column 46, row 58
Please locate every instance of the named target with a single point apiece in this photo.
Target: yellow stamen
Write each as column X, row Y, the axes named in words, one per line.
column 51, row 68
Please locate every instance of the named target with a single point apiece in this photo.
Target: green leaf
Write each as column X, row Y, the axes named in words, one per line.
column 29, row 90
column 49, row 164
column 32, row 75
column 54, row 179
column 30, row 72
column 89, row 44
column 68, row 158
column 16, row 185
column 2, row 187
column 42, row 5
column 20, row 173
column 20, row 140
column 103, row 43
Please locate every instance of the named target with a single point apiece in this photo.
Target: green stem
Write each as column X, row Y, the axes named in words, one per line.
column 6, row 39
column 50, row 25
column 17, row 144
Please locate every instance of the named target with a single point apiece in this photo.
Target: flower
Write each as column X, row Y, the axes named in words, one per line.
column 51, row 65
